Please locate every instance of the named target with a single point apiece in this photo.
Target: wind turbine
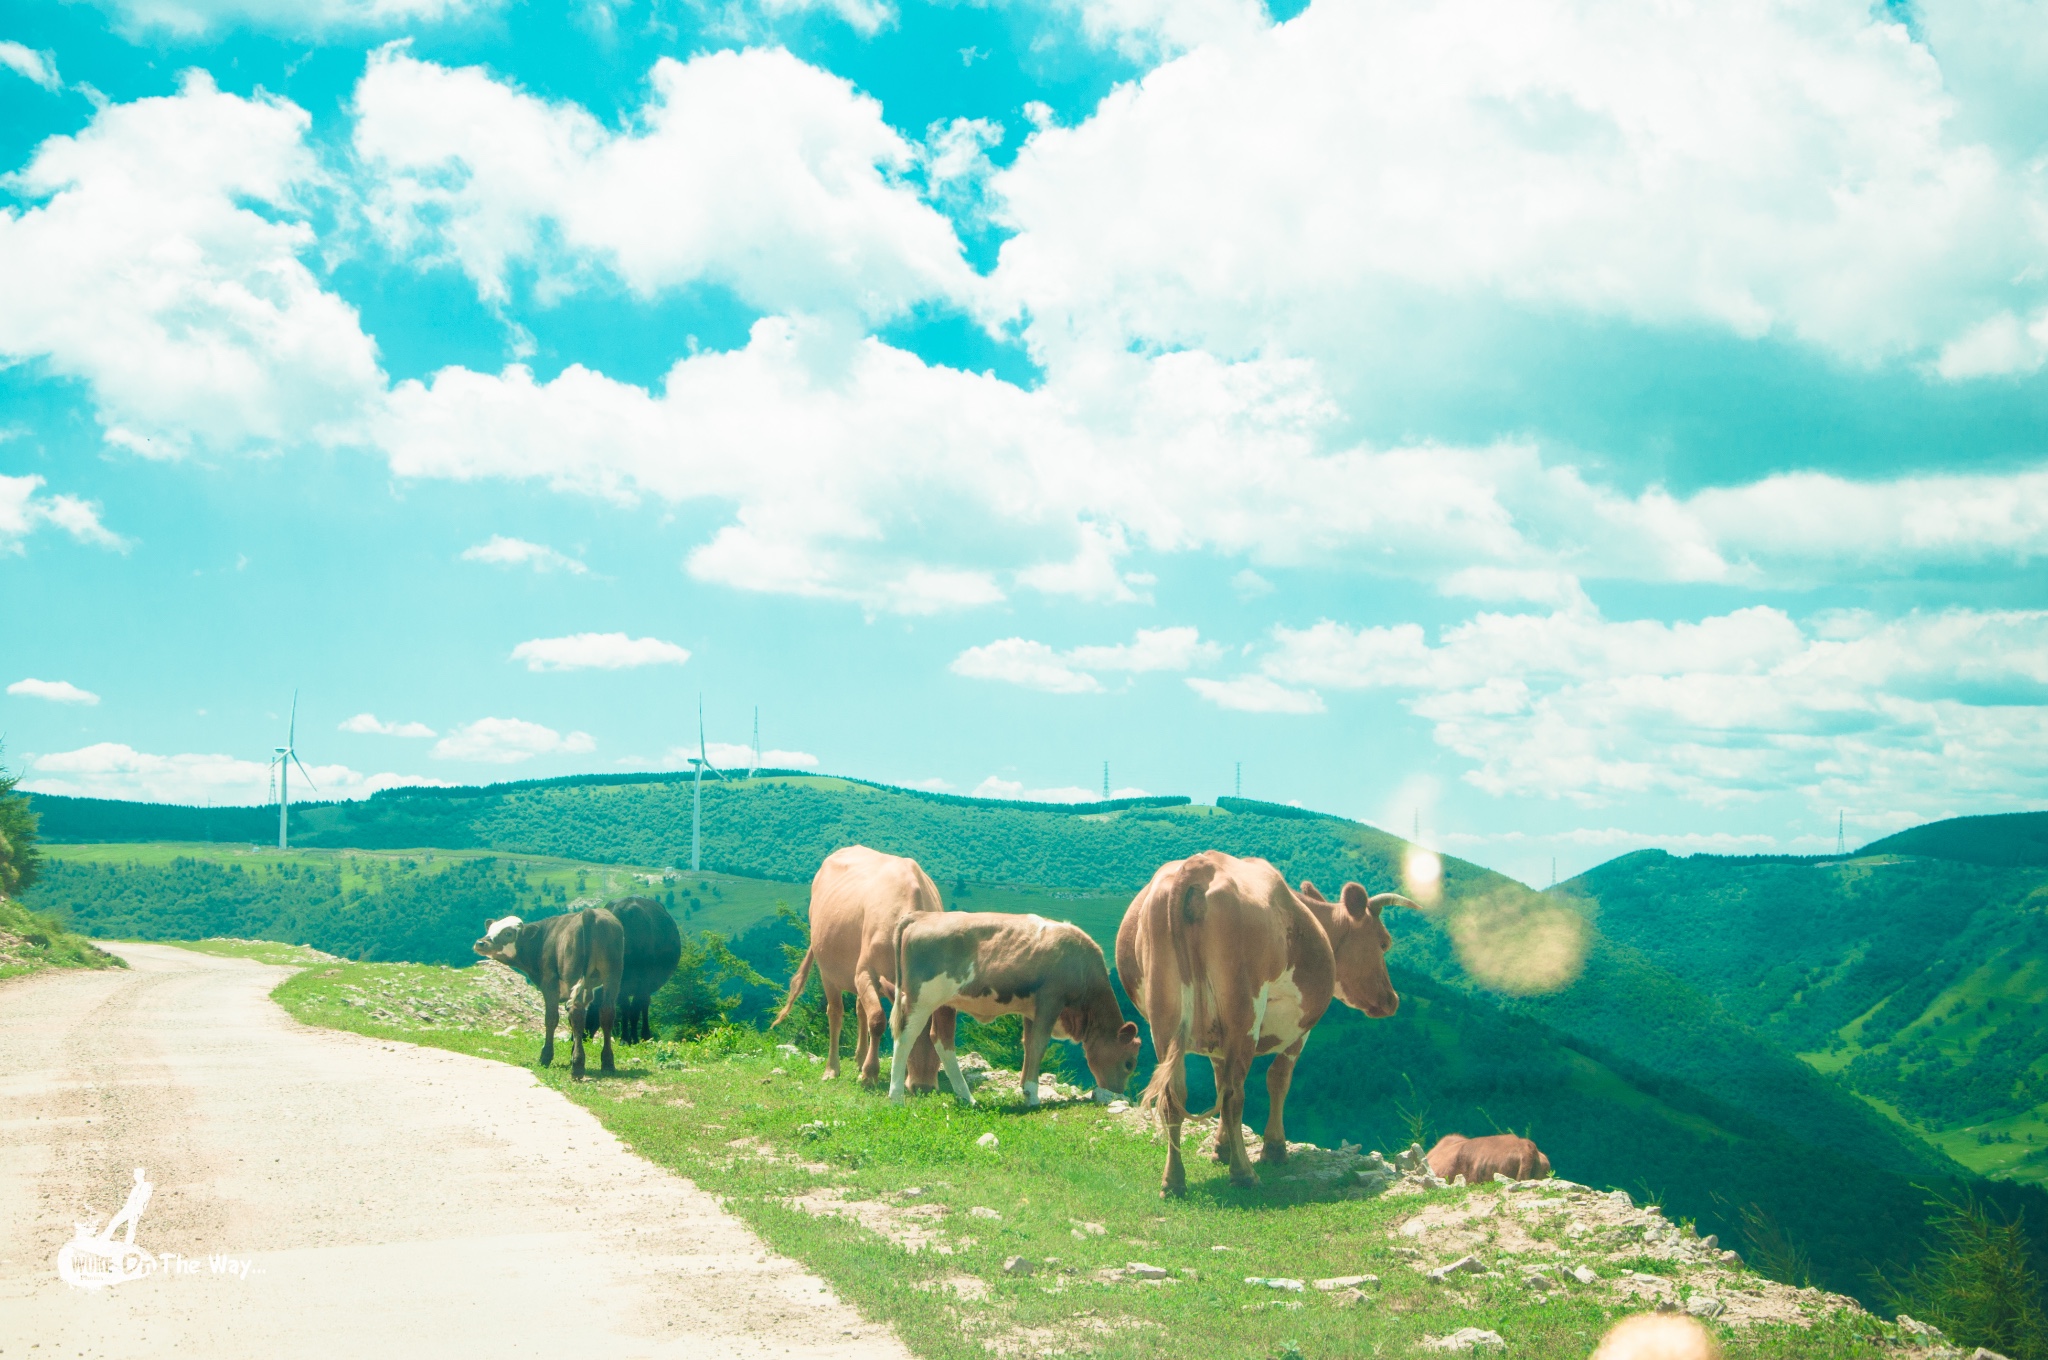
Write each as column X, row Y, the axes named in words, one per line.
column 703, row 762
column 281, row 760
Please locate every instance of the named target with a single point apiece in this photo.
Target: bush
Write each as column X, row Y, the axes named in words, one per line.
column 1980, row 1283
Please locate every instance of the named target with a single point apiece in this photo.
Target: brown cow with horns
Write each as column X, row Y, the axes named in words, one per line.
column 1226, row 960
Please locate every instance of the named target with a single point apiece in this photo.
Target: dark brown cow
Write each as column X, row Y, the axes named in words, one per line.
column 1226, row 960
column 857, row 898
column 1477, row 1159
column 653, row 948
column 576, row 960
column 990, row 963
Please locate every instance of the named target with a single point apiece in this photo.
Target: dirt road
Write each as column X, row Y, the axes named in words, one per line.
column 387, row 1200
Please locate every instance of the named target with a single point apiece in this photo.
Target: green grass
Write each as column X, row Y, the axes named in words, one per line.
column 257, row 951
column 720, row 1112
column 31, row 942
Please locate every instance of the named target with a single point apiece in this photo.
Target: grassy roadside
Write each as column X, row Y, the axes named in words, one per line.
column 838, row 1179
column 256, row 951
column 30, row 942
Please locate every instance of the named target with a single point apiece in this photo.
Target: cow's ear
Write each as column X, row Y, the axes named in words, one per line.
column 1358, row 904
column 1128, row 1034
column 1312, row 892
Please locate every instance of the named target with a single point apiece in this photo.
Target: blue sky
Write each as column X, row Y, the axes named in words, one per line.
column 1576, row 427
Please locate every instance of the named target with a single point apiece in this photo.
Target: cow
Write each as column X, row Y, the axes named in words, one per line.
column 990, row 963
column 857, row 898
column 1477, row 1159
column 653, row 948
column 575, row 960
column 1225, row 960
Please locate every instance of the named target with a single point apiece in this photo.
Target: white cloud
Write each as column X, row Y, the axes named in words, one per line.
column 995, row 787
column 1019, row 661
column 757, row 19
column 161, row 267
column 505, row 741
column 517, row 552
column 369, row 725
column 1256, row 694
column 728, row 755
column 192, row 18
column 113, row 770
column 750, row 170
column 1848, row 709
column 40, row 67
column 597, row 651
column 23, row 511
column 56, row 691
column 1328, row 185
column 1145, row 30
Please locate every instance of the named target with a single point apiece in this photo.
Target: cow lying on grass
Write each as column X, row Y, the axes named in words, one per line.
column 1478, row 1159
column 653, row 948
column 994, row 963
column 858, row 897
column 1226, row 960
column 576, row 961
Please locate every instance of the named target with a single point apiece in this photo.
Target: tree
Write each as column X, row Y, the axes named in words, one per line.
column 19, row 858
column 1979, row 1284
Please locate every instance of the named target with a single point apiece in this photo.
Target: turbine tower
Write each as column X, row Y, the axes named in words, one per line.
column 282, row 758
column 757, row 742
column 703, row 762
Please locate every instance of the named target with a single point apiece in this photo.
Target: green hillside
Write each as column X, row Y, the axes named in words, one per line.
column 2010, row 838
column 1921, row 983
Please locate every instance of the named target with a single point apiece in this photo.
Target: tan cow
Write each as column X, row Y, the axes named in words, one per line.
column 857, row 898
column 991, row 963
column 578, row 961
column 1226, row 960
column 1477, row 1159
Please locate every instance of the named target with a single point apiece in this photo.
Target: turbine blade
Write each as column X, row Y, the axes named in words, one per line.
column 302, row 770
column 292, row 733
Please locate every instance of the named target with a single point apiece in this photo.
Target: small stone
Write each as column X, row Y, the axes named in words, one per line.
column 1465, row 1339
column 1731, row 1258
column 1276, row 1282
column 979, row 1211
column 913, row 1190
column 1139, row 1270
column 988, row 1140
column 1119, row 1106
column 777, row 1072
column 1712, row 1242
column 1985, row 1353
column 1464, row 1265
column 1350, row 1298
column 1087, row 1229
column 1705, row 1306
column 1583, row 1275
column 1666, row 1306
column 1190, row 1273
column 1345, row 1282
column 1502, row 1178
column 1018, row 1265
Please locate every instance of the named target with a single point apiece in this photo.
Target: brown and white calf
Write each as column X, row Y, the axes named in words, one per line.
column 858, row 897
column 1225, row 960
column 576, row 960
column 1478, row 1159
column 989, row 963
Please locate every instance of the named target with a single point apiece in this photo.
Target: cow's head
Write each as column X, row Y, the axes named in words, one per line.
column 1360, row 941
column 1112, row 1056
column 500, row 941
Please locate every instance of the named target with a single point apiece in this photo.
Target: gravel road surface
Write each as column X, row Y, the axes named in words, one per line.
column 335, row 1196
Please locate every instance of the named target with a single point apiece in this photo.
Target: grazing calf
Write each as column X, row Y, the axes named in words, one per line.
column 989, row 963
column 653, row 947
column 857, row 898
column 576, row 961
column 1226, row 960
column 1477, row 1159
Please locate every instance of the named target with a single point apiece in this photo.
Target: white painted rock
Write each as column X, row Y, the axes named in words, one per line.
column 1139, row 1270
column 988, row 1140
column 1464, row 1265
column 1345, row 1282
column 1466, row 1339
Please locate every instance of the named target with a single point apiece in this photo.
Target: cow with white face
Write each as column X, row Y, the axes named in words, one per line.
column 1226, row 960
column 577, row 961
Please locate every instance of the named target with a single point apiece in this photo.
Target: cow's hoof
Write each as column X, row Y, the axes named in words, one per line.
column 1174, row 1190
column 1220, row 1154
column 828, row 1076
column 1243, row 1180
column 1273, row 1154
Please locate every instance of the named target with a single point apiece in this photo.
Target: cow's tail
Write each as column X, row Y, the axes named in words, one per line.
column 796, row 988
column 1185, row 908
column 902, row 991
column 586, row 926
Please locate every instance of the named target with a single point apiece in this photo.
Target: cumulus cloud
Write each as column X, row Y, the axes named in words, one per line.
column 1846, row 708
column 1256, row 694
column 506, row 741
column 23, row 510
column 598, row 651
column 56, row 691
column 757, row 19
column 194, row 18
column 997, row 787
column 161, row 266
column 728, row 755
column 501, row 551
column 1330, row 181
column 749, row 169
column 370, row 725
column 40, row 67
column 1034, row 665
column 114, row 770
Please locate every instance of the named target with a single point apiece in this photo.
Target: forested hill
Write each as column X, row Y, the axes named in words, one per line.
column 2010, row 838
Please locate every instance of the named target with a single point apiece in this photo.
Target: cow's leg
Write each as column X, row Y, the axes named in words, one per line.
column 835, row 1016
column 608, row 1016
column 910, row 1017
column 1173, row 1108
column 1037, row 1036
column 579, row 1006
column 1231, row 1070
column 944, row 1023
column 872, row 1017
column 924, row 1063
column 547, row 1045
column 1278, row 1078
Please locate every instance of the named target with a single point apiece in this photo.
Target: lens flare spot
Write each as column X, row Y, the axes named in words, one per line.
column 1422, row 876
column 1517, row 941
